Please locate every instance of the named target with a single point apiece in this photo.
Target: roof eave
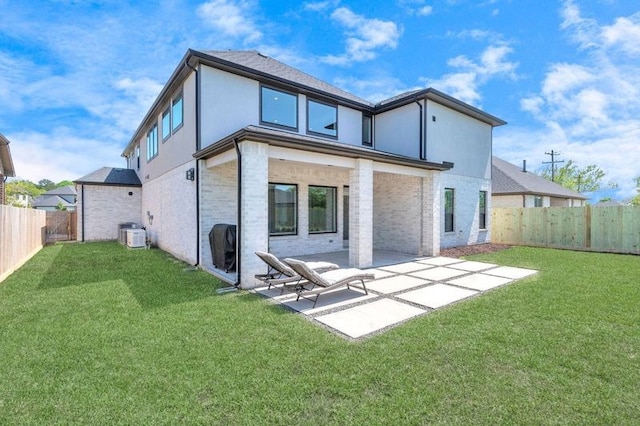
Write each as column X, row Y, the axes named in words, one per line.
column 5, row 157
column 446, row 100
column 287, row 142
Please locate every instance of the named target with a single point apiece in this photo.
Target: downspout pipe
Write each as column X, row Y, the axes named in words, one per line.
column 415, row 99
column 82, row 195
column 197, row 172
column 239, row 214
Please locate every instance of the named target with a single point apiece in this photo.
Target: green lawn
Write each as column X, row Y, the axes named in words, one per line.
column 98, row 334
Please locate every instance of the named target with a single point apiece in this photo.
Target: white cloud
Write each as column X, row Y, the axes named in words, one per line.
column 590, row 108
column 374, row 88
column 60, row 154
column 424, row 11
column 231, row 18
column 465, row 83
column 364, row 37
column 319, row 6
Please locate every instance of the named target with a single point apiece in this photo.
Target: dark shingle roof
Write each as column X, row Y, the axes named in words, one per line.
column 273, row 68
column 508, row 178
column 111, row 176
column 50, row 201
column 608, row 203
column 63, row 190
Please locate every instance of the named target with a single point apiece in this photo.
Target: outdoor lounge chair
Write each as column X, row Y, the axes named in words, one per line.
column 281, row 273
column 326, row 281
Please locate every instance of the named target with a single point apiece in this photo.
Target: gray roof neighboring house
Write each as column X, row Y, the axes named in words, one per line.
column 44, row 201
column 6, row 163
column 110, row 176
column 509, row 179
column 607, row 203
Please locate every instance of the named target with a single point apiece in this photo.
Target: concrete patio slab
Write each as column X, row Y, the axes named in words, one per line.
column 403, row 268
column 329, row 300
column 380, row 273
column 437, row 295
column 510, row 272
column 368, row 318
column 440, row 261
column 471, row 266
column 480, row 282
column 439, row 273
column 395, row 284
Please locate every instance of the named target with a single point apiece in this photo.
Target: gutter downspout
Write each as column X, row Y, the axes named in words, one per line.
column 239, row 214
column 420, row 115
column 82, row 195
column 197, row 172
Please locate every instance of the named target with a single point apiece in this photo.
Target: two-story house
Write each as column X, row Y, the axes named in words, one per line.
column 303, row 167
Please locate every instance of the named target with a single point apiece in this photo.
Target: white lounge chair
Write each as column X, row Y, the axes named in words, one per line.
column 280, row 273
column 326, row 281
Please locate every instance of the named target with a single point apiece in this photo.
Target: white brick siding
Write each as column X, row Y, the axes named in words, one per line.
column 466, row 210
column 361, row 214
column 171, row 200
column 105, row 207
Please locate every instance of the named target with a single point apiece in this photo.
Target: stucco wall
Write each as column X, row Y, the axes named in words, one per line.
column 398, row 131
column 104, row 207
column 466, row 210
column 171, row 200
column 498, row 201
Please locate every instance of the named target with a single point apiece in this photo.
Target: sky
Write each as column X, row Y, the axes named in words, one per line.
column 78, row 76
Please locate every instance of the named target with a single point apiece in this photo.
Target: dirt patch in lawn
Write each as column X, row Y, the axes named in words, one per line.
column 473, row 249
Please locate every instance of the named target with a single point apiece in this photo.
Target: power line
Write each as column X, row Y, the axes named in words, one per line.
column 553, row 163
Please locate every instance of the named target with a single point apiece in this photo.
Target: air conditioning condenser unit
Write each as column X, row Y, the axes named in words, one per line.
column 136, row 238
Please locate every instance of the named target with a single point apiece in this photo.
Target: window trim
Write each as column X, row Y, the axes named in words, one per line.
column 370, row 117
column 166, row 113
column 312, row 132
column 277, row 125
column 482, row 211
column 453, row 210
column 153, row 129
column 335, row 210
column 178, row 98
column 295, row 211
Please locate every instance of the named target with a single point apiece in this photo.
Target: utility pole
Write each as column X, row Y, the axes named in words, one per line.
column 553, row 163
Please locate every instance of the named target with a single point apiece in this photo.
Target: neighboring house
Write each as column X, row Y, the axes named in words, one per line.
column 106, row 198
column 608, row 203
column 6, row 167
column 63, row 198
column 303, row 167
column 513, row 186
column 19, row 200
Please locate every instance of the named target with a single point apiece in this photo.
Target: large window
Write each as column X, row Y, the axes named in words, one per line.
column 322, row 118
column 322, row 209
column 367, row 137
column 482, row 208
column 278, row 108
column 152, row 142
column 176, row 112
column 166, row 124
column 448, row 209
column 283, row 209
column 138, row 157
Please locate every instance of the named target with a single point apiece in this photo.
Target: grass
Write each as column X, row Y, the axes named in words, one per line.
column 97, row 334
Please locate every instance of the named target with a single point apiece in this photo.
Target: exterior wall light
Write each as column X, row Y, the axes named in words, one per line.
column 191, row 174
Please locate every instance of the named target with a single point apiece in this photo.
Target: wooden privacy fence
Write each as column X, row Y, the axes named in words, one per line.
column 606, row 229
column 22, row 234
column 61, row 226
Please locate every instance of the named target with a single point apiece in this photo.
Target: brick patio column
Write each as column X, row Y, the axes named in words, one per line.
column 431, row 212
column 254, row 226
column 361, row 214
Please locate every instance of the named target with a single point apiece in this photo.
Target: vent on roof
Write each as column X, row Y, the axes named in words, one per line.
column 263, row 55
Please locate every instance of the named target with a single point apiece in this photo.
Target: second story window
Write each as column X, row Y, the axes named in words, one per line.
column 278, row 108
column 367, row 137
column 176, row 112
column 138, row 157
column 152, row 142
column 322, row 118
column 166, row 124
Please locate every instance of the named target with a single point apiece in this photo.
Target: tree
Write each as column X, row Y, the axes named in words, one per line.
column 46, row 184
column 64, row 183
column 635, row 201
column 588, row 179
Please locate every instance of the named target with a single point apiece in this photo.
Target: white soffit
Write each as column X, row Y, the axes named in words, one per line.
column 220, row 159
column 288, row 154
column 397, row 169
